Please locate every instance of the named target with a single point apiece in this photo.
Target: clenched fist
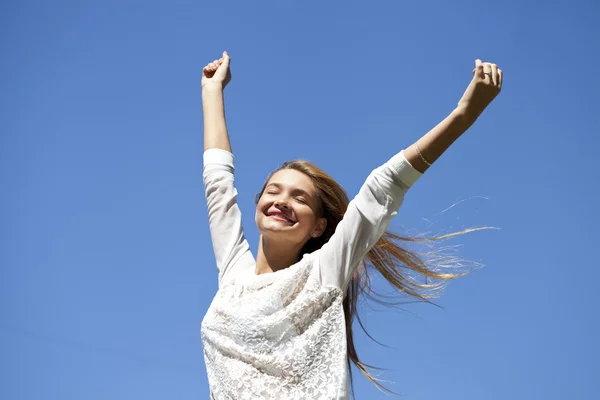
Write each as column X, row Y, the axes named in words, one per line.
column 484, row 87
column 217, row 72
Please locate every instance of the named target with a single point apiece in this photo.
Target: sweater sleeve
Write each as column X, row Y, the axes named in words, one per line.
column 224, row 215
column 366, row 220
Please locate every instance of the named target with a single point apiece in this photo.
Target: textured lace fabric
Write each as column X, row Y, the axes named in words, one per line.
column 282, row 335
column 282, row 339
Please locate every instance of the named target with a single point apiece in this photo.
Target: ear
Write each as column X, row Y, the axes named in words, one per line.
column 321, row 226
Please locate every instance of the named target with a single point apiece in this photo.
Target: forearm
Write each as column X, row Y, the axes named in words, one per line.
column 435, row 142
column 215, row 127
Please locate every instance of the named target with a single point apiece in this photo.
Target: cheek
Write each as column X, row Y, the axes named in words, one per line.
column 258, row 213
column 306, row 215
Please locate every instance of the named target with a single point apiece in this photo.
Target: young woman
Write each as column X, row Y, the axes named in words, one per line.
column 280, row 325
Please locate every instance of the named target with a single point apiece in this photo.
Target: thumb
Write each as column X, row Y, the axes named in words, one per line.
column 226, row 60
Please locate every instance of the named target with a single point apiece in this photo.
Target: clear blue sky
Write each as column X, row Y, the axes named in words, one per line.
column 106, row 263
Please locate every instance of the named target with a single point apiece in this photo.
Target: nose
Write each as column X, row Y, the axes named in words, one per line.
column 281, row 203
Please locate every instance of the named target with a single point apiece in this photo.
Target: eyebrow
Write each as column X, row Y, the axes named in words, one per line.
column 295, row 190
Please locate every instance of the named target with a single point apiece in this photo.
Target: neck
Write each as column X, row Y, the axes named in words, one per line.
column 274, row 256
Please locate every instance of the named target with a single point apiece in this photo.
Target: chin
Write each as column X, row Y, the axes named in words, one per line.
column 278, row 230
column 276, row 226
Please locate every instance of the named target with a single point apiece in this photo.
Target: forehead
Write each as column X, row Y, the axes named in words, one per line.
column 292, row 179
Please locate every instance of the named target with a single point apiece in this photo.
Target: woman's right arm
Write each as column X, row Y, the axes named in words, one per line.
column 231, row 248
column 215, row 76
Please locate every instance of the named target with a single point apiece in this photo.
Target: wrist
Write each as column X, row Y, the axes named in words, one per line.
column 466, row 113
column 212, row 87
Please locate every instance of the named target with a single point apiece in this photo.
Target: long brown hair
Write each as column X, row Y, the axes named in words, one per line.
column 420, row 276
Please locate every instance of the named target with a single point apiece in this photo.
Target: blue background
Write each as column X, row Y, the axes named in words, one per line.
column 106, row 262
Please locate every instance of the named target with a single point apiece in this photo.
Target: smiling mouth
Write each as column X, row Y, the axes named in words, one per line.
column 280, row 218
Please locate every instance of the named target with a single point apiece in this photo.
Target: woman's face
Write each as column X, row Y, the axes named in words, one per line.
column 288, row 208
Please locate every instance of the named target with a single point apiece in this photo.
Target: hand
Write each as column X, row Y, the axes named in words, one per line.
column 484, row 87
column 217, row 72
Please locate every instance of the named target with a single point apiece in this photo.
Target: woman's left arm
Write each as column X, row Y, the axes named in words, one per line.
column 484, row 87
column 370, row 212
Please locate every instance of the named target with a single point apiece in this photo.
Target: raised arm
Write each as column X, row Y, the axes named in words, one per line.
column 370, row 212
column 484, row 87
column 232, row 252
column 215, row 76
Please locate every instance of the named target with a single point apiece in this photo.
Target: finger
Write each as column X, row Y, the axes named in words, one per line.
column 494, row 76
column 499, row 78
column 487, row 72
column 479, row 68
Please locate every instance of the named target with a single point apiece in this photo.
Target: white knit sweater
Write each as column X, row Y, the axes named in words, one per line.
column 282, row 335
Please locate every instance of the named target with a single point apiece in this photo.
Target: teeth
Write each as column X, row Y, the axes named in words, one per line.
column 281, row 216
